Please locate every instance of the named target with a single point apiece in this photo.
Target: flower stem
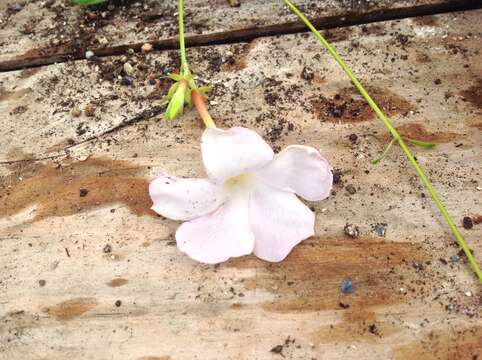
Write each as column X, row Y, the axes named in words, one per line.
column 184, row 66
column 201, row 108
column 388, row 124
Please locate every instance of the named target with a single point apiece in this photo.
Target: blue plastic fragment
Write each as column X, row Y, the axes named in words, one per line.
column 346, row 286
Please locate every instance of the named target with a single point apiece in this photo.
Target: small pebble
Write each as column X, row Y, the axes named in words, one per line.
column 353, row 138
column 346, row 286
column 83, row 192
column 418, row 266
column 146, row 48
column 352, row 230
column 89, row 54
column 467, row 223
column 127, row 80
column 15, row 7
column 234, row 3
column 450, row 306
column 336, row 176
column 41, row 283
column 380, row 229
column 307, row 74
column 103, row 40
column 455, row 258
column 118, row 303
column 89, row 110
column 468, row 293
column 128, row 69
column 351, row 189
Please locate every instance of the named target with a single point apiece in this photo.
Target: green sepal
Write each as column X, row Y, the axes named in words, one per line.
column 191, row 82
column 170, row 93
column 180, row 95
column 203, row 90
column 175, row 77
column 176, row 105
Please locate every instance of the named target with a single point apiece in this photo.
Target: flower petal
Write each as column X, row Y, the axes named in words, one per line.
column 184, row 199
column 279, row 221
column 217, row 237
column 300, row 169
column 228, row 153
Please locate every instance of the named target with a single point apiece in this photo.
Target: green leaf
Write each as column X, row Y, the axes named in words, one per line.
column 424, row 144
column 385, row 152
column 88, row 2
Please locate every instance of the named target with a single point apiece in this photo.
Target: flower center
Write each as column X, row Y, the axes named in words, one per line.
column 238, row 183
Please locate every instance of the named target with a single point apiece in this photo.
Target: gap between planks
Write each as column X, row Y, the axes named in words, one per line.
column 61, row 54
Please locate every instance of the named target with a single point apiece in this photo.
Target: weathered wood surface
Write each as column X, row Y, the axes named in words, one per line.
column 66, row 260
column 45, row 32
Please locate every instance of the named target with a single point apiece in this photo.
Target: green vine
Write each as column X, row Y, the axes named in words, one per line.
column 396, row 137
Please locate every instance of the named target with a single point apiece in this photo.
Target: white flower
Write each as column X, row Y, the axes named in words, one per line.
column 248, row 203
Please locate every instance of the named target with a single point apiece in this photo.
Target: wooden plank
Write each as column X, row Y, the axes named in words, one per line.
column 414, row 296
column 42, row 33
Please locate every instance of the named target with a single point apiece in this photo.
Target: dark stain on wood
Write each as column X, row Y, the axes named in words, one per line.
column 348, row 106
column 71, row 309
column 450, row 344
column 374, row 29
column 356, row 325
column 117, row 282
column 239, row 58
column 429, row 20
column 13, row 95
column 477, row 219
column 26, row 73
column 309, row 278
column 336, row 35
column 422, row 57
column 56, row 189
column 474, row 94
column 418, row 131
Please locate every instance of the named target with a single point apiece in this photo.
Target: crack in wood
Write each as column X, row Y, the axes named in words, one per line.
column 142, row 116
column 60, row 54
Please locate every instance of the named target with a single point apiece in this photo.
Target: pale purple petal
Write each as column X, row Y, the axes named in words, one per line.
column 299, row 169
column 279, row 221
column 184, row 199
column 217, row 237
column 228, row 153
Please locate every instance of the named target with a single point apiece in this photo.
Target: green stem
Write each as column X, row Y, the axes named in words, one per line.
column 396, row 136
column 184, row 66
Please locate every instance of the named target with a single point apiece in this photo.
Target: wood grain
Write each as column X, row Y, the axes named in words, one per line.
column 99, row 276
